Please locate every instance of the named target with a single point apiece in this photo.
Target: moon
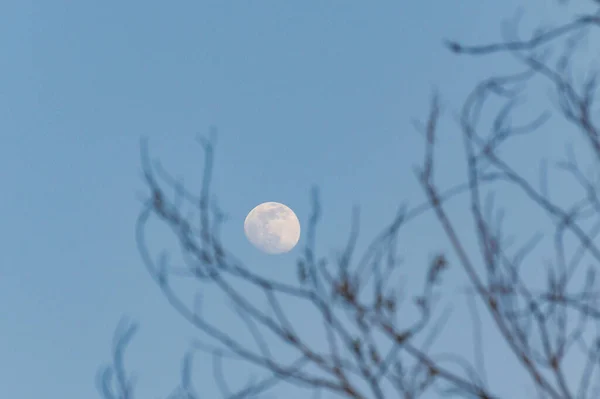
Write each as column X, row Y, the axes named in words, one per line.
column 272, row 227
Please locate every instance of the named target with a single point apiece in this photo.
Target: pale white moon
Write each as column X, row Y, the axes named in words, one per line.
column 272, row 227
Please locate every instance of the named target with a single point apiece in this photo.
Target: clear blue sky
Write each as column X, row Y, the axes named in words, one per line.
column 303, row 93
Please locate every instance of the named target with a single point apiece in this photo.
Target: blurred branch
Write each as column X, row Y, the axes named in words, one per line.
column 370, row 347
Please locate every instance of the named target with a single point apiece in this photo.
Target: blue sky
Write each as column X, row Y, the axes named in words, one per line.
column 302, row 93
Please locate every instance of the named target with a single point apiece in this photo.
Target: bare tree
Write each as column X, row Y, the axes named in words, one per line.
column 548, row 324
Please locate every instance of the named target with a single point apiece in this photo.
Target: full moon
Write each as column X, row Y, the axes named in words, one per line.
column 272, row 227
